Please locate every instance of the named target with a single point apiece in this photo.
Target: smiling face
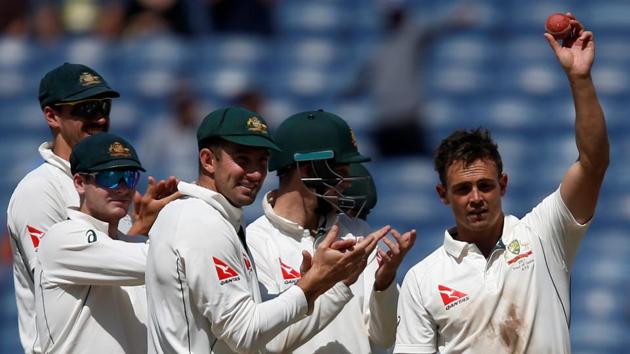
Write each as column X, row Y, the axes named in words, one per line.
column 239, row 172
column 474, row 193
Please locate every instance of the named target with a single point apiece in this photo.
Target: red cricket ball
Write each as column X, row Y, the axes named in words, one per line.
column 558, row 25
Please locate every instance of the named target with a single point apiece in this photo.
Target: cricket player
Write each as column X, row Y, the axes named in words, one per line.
column 76, row 102
column 500, row 284
column 84, row 262
column 202, row 286
column 317, row 149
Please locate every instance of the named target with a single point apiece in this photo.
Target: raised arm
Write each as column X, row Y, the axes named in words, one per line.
column 582, row 182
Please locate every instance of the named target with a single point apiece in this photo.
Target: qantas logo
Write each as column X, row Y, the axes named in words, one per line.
column 289, row 274
column 248, row 264
column 36, row 235
column 225, row 272
column 451, row 297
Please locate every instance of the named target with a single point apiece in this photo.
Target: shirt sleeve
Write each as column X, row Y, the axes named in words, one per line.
column 34, row 208
column 381, row 308
column 76, row 254
column 216, row 273
column 416, row 332
column 554, row 224
column 327, row 307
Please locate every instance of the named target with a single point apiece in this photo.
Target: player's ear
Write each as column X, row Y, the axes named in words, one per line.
column 207, row 160
column 441, row 191
column 503, row 181
column 51, row 117
column 79, row 183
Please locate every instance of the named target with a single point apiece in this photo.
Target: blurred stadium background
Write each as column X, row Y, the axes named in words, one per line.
column 498, row 74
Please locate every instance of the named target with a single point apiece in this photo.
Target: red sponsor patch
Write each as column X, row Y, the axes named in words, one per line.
column 224, row 271
column 289, row 273
column 449, row 295
column 36, row 235
column 248, row 264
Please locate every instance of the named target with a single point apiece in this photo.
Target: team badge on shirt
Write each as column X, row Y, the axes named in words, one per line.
column 36, row 235
column 226, row 273
column 518, row 255
column 290, row 275
column 451, row 297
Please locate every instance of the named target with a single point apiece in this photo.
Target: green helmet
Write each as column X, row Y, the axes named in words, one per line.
column 314, row 135
column 362, row 189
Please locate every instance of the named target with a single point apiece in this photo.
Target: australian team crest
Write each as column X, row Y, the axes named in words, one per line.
column 117, row 149
column 519, row 255
column 254, row 124
column 87, row 79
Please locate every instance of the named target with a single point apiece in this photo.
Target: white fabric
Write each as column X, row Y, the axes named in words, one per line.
column 38, row 202
column 369, row 318
column 81, row 305
column 203, row 293
column 456, row 301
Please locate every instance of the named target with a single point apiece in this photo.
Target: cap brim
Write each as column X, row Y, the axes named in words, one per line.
column 252, row 140
column 118, row 164
column 101, row 91
column 354, row 159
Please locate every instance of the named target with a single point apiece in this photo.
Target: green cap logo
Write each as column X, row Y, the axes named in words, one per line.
column 255, row 125
column 117, row 149
column 87, row 79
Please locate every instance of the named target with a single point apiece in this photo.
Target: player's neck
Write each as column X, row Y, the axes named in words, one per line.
column 484, row 239
column 61, row 147
column 292, row 205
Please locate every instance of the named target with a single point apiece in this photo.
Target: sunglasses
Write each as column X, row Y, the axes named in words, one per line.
column 90, row 108
column 111, row 179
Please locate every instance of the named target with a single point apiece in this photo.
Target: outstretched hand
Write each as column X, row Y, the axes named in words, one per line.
column 577, row 52
column 391, row 260
column 147, row 206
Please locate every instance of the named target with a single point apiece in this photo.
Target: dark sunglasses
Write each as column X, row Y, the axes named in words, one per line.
column 111, row 179
column 90, row 108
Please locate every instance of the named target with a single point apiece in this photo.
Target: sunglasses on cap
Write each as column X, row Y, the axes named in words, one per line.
column 90, row 108
column 111, row 179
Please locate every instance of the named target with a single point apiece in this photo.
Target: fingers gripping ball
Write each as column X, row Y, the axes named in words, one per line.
column 558, row 25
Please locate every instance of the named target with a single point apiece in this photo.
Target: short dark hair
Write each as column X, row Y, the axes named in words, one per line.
column 466, row 146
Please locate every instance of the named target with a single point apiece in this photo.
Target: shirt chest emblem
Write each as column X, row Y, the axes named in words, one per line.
column 518, row 255
column 451, row 297
column 289, row 274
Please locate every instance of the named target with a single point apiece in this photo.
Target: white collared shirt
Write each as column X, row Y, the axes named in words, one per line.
column 369, row 318
column 516, row 301
column 39, row 201
column 202, row 289
column 79, row 277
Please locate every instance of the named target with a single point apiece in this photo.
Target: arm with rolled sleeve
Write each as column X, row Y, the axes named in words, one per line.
column 73, row 253
column 416, row 332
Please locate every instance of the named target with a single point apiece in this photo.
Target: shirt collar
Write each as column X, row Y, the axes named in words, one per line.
column 45, row 150
column 75, row 214
column 216, row 200
column 456, row 248
column 287, row 226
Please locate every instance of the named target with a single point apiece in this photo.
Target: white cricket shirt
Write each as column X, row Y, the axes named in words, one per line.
column 516, row 301
column 39, row 201
column 203, row 293
column 81, row 305
column 368, row 319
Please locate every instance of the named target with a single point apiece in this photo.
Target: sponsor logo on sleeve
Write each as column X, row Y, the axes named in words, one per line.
column 289, row 274
column 225, row 273
column 451, row 297
column 36, row 235
column 248, row 263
